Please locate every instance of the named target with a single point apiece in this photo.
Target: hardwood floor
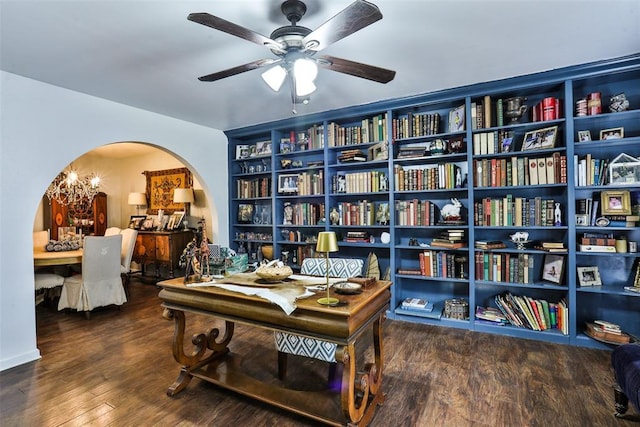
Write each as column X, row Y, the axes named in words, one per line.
column 114, row 370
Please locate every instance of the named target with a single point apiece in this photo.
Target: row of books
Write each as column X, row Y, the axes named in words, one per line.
column 520, row 171
column 307, row 213
column 416, row 178
column 499, row 141
column 416, row 212
column 437, row 264
column 413, row 125
column 368, row 130
column 360, row 182
column 252, row 188
column 535, row 314
column 311, row 183
column 353, row 155
column 409, row 151
column 509, row 211
column 590, row 171
column 361, row 212
column 490, row 315
column 504, row 267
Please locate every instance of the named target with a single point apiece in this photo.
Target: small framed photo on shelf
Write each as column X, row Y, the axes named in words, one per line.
column 615, row 202
column 589, row 276
column 262, row 214
column 136, row 221
column 245, row 213
column 242, row 151
column 553, row 268
column 263, row 148
column 584, row 135
column 540, row 139
column 456, row 119
column 147, row 224
column 582, row 220
column 613, row 133
column 288, row 183
column 175, row 220
column 624, row 170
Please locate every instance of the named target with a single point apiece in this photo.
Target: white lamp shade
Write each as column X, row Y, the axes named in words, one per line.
column 274, row 77
column 137, row 199
column 183, row 195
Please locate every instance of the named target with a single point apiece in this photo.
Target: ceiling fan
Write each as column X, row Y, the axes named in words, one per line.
column 296, row 46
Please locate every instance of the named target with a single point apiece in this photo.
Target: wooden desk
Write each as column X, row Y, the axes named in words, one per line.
column 212, row 361
column 44, row 258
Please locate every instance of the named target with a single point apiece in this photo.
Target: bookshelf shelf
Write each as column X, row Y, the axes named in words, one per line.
column 438, row 141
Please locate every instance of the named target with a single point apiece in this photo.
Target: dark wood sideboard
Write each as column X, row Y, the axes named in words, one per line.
column 162, row 249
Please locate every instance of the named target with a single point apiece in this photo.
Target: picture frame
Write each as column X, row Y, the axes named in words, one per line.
column 288, row 183
column 589, row 276
column 540, row 139
column 456, row 119
column 584, row 135
column 582, row 220
column 262, row 214
column 379, row 151
column 613, row 133
column 160, row 187
column 263, row 148
column 245, row 213
column 553, row 268
column 147, row 224
column 242, row 151
column 175, row 220
column 135, row 221
column 615, row 202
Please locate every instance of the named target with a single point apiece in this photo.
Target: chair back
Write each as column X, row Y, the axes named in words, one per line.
column 338, row 267
column 101, row 260
column 129, row 236
column 112, row 231
column 40, row 239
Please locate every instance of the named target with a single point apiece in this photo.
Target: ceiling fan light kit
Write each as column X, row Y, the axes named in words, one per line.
column 296, row 46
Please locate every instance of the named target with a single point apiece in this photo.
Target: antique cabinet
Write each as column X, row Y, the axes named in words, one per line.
column 162, row 249
column 88, row 217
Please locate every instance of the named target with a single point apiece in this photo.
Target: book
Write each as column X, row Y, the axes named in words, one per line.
column 597, row 332
column 418, row 303
column 596, row 248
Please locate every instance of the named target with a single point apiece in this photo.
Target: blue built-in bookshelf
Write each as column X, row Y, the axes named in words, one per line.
column 383, row 174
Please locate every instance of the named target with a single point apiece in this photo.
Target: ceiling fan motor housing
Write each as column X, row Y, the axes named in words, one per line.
column 293, row 10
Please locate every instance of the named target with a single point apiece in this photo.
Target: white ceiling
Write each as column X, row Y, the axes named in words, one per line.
column 146, row 54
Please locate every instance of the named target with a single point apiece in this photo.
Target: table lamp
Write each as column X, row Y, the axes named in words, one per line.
column 137, row 199
column 327, row 242
column 183, row 195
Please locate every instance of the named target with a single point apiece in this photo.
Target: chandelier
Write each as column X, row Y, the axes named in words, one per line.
column 69, row 188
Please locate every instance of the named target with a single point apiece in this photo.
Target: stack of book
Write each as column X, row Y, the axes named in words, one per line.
column 535, row 314
column 353, row 155
column 602, row 330
column 490, row 244
column 597, row 242
column 409, row 151
column 550, row 246
column 490, row 315
column 357, row 236
column 451, row 239
column 417, row 304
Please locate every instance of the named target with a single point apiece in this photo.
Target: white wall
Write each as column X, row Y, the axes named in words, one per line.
column 45, row 127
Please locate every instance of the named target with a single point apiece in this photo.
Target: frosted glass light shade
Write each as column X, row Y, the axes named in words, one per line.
column 274, row 77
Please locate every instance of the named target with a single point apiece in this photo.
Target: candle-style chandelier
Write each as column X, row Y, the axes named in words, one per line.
column 70, row 188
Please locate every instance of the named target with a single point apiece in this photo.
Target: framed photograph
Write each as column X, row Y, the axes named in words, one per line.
column 263, row 148
column 245, row 213
column 540, row 139
column 584, row 135
column 175, row 220
column 615, row 202
column 456, row 119
column 613, row 133
column 136, row 221
column 553, row 268
column 589, row 276
column 288, row 183
column 147, row 224
column 582, row 220
column 262, row 214
column 242, row 151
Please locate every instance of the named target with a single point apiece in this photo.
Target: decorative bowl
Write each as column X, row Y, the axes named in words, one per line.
column 274, row 274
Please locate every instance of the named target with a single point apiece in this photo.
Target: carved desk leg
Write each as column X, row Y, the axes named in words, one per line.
column 202, row 342
column 361, row 391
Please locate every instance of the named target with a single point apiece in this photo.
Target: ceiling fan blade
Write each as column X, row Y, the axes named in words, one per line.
column 351, row 19
column 234, row 29
column 358, row 69
column 237, row 70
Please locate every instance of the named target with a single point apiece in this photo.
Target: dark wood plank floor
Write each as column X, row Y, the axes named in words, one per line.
column 114, row 369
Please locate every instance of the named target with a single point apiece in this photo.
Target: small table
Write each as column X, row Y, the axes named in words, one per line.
column 45, row 258
column 212, row 361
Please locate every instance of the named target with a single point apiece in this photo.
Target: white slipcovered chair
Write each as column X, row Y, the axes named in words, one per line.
column 288, row 343
column 44, row 280
column 129, row 236
column 100, row 283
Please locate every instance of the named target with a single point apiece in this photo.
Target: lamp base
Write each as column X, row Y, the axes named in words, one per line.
column 328, row 301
